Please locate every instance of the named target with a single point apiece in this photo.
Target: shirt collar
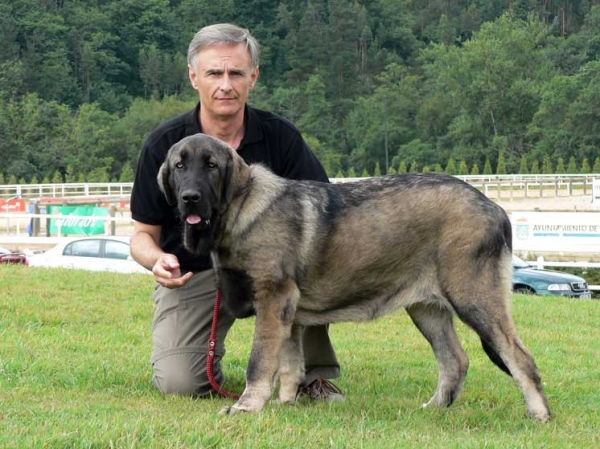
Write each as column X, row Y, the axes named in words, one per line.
column 252, row 134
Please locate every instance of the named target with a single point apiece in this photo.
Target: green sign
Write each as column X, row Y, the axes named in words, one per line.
column 77, row 220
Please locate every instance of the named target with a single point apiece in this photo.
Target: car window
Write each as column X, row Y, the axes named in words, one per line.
column 519, row 263
column 116, row 250
column 83, row 248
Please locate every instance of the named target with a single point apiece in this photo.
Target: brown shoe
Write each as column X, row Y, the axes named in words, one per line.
column 322, row 390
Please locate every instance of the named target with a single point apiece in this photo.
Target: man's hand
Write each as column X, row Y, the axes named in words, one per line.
column 167, row 272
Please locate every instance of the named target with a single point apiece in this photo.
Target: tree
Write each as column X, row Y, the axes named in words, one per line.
column 57, row 178
column 487, row 167
column 523, row 166
column 450, row 167
column 560, row 167
column 463, row 169
column 501, row 166
column 585, row 166
column 548, row 167
column 475, row 169
column 596, row 165
column 572, row 167
column 127, row 174
column 535, row 167
column 377, row 171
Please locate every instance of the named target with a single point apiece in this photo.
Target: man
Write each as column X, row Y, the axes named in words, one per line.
column 223, row 68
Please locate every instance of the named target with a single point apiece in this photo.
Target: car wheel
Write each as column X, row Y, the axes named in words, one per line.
column 524, row 291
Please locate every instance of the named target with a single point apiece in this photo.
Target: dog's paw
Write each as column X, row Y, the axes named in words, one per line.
column 225, row 410
column 239, row 408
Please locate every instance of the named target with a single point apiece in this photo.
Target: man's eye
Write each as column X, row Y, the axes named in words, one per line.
column 179, row 165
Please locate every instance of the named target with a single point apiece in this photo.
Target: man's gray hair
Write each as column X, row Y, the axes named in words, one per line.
column 222, row 34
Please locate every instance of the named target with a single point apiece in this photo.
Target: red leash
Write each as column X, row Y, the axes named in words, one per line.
column 212, row 345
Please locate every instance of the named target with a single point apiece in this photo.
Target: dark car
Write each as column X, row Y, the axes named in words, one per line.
column 7, row 256
column 530, row 280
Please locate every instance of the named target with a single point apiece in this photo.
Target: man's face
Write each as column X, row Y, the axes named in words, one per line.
column 223, row 77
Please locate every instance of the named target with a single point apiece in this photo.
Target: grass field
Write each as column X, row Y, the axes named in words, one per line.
column 75, row 373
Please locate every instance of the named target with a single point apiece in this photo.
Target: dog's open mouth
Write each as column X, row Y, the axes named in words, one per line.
column 194, row 219
column 197, row 221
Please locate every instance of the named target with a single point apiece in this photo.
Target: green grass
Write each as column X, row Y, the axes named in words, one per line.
column 75, row 373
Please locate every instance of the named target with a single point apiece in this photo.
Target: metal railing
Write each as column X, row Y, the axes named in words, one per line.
column 490, row 184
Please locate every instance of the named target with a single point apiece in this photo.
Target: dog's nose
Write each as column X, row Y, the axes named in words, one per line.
column 190, row 197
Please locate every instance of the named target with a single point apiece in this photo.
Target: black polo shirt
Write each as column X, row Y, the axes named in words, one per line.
column 268, row 139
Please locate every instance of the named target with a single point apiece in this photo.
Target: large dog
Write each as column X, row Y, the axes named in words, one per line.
column 301, row 253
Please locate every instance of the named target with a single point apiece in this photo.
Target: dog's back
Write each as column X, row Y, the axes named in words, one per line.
column 383, row 243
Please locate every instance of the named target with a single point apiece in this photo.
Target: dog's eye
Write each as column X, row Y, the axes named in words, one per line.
column 210, row 164
column 179, row 165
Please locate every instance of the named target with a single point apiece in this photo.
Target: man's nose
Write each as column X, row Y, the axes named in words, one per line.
column 225, row 83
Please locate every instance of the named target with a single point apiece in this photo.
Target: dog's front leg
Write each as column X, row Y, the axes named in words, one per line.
column 275, row 311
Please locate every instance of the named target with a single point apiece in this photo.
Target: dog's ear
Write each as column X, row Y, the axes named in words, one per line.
column 164, row 182
column 228, row 187
column 236, row 175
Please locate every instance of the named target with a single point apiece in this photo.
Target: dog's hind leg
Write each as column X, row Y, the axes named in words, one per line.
column 436, row 323
column 291, row 370
column 493, row 322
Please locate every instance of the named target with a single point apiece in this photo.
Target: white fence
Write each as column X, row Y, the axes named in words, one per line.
column 491, row 185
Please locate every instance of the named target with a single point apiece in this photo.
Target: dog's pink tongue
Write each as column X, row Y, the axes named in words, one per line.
column 193, row 219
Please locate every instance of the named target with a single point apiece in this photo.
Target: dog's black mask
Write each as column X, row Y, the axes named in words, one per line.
column 192, row 177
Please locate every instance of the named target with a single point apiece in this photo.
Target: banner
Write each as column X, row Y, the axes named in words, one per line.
column 569, row 232
column 13, row 205
column 77, row 220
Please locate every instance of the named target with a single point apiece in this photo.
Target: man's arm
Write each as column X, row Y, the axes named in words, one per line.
column 146, row 251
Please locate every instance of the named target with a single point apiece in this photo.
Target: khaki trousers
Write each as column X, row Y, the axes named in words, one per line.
column 181, row 330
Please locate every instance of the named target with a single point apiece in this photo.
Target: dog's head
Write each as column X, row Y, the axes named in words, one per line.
column 201, row 175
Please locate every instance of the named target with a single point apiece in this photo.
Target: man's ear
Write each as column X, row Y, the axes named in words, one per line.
column 164, row 182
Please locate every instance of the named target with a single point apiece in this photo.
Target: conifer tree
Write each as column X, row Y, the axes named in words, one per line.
column 475, row 169
column 572, row 167
column 402, row 168
column 596, row 168
column 352, row 173
column 57, row 178
column 523, row 166
column 438, row 168
column 463, row 169
column 487, row 167
column 560, row 167
column 585, row 166
column 547, row 168
column 392, row 171
column 535, row 167
column 501, row 166
column 377, row 170
column 365, row 173
column 340, row 174
column 450, row 167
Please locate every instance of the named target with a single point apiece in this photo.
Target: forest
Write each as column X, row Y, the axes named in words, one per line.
column 375, row 86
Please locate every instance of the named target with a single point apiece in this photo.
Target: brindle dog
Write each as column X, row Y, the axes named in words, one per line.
column 301, row 253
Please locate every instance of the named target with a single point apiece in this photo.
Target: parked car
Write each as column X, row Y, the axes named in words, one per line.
column 7, row 256
column 100, row 253
column 530, row 280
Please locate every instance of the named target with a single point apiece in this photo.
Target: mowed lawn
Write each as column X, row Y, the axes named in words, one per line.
column 75, row 373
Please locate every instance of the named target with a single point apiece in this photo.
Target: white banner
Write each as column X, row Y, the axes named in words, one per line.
column 556, row 231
